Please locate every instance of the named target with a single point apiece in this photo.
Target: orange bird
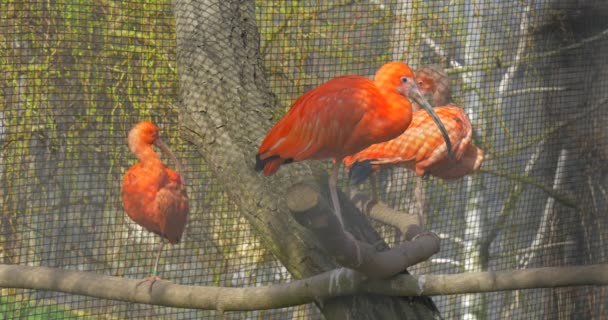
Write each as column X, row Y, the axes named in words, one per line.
column 420, row 148
column 434, row 85
column 341, row 117
column 153, row 195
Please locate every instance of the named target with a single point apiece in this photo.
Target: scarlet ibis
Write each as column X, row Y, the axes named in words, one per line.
column 341, row 117
column 153, row 195
column 434, row 85
column 420, row 148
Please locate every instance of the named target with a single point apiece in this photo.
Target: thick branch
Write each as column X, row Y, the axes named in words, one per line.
column 334, row 283
column 312, row 211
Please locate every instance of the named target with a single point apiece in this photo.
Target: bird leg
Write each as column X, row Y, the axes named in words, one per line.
column 420, row 201
column 160, row 250
column 154, row 277
column 333, row 181
column 333, row 190
column 374, row 180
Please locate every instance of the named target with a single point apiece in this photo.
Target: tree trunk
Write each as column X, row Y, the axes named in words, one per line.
column 226, row 110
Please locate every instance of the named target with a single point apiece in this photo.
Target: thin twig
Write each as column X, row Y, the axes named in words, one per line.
column 542, row 233
column 446, row 261
column 508, row 205
column 520, row 92
column 530, row 58
column 563, row 199
column 545, row 246
column 456, row 240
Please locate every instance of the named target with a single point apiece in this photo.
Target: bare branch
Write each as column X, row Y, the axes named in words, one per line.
column 542, row 233
column 477, row 282
column 561, row 198
column 505, row 82
column 440, row 52
column 577, row 45
column 520, row 92
column 313, row 212
column 560, row 125
column 339, row 282
column 509, row 204
column 382, row 213
column 457, row 68
column 457, row 240
column 545, row 246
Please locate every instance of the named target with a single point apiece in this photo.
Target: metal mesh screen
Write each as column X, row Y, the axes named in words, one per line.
column 531, row 76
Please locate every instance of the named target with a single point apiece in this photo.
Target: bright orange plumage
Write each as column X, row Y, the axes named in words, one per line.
column 421, row 148
column 157, row 203
column 340, row 117
column 153, row 195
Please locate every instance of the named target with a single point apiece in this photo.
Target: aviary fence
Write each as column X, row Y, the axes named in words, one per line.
column 531, row 75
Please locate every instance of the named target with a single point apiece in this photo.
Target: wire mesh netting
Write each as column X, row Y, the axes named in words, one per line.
column 531, row 75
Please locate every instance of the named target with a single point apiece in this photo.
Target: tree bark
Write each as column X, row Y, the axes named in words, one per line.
column 226, row 110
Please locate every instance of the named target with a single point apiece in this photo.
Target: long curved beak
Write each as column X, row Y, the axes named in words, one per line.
column 165, row 150
column 414, row 94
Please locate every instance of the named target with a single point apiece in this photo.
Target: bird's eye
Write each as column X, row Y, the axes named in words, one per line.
column 404, row 79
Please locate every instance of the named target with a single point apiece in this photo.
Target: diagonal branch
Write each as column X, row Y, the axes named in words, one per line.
column 408, row 224
column 542, row 232
column 561, row 198
column 312, row 211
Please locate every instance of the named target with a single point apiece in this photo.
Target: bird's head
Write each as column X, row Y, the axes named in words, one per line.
column 397, row 76
column 434, row 84
column 400, row 76
column 425, row 84
column 144, row 132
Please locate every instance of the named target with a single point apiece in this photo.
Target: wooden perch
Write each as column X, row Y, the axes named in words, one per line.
column 407, row 224
column 339, row 282
column 313, row 212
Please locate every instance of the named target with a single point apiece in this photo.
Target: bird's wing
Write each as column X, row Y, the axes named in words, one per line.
column 422, row 143
column 138, row 193
column 428, row 146
column 470, row 162
column 321, row 121
column 172, row 203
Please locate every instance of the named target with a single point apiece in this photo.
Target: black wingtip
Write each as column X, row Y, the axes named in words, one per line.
column 259, row 163
column 360, row 171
